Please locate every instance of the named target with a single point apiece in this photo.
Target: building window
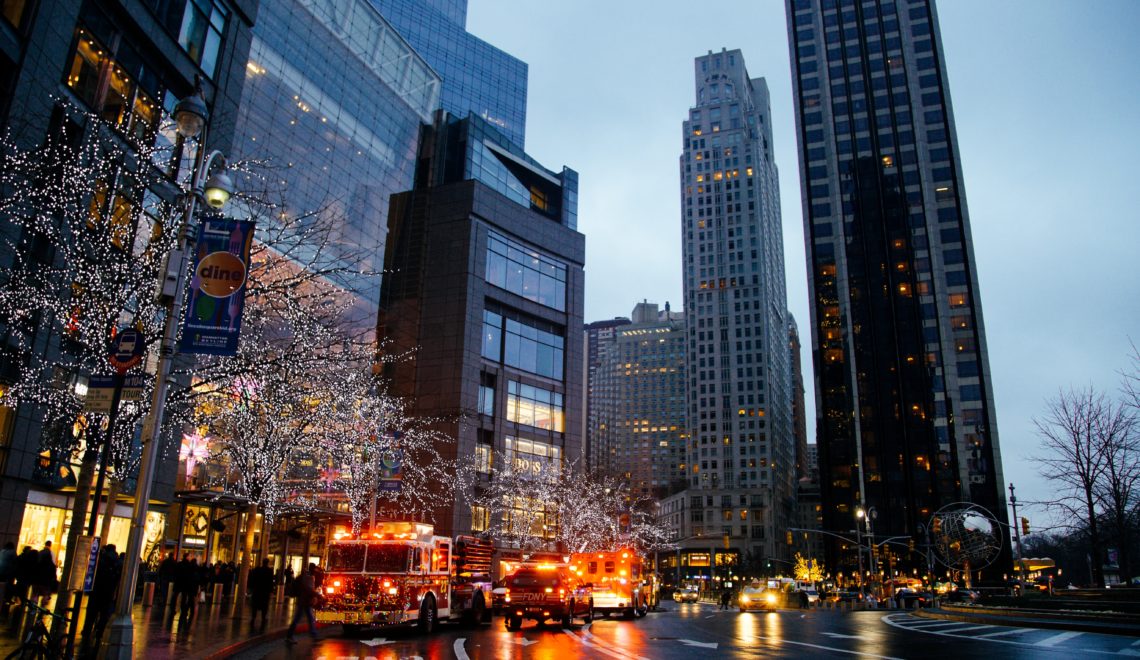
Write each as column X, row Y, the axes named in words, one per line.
column 527, row 344
column 525, row 272
column 203, row 25
column 110, row 87
column 534, row 406
column 533, row 456
column 487, row 395
column 483, row 457
column 480, row 518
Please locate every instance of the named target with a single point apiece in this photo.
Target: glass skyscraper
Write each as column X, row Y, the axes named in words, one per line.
column 905, row 402
column 477, row 77
column 741, row 449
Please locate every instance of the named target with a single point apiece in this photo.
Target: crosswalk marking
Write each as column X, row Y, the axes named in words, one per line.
column 1058, row 638
column 1011, row 631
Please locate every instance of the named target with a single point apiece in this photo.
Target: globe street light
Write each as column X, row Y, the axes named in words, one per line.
column 190, row 116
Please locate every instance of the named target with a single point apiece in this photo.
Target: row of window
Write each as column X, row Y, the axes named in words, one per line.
column 525, row 272
column 523, row 343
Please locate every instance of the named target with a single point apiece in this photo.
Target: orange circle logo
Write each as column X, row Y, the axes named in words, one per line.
column 220, row 274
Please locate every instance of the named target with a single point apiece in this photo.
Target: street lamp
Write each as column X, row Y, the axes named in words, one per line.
column 190, row 116
column 867, row 516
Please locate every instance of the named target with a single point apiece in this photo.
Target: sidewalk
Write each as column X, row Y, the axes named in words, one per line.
column 213, row 632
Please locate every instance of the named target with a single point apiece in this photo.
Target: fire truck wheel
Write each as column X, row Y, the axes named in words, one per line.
column 514, row 622
column 588, row 617
column 427, row 615
column 568, row 615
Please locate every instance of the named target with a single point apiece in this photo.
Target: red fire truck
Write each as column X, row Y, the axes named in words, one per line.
column 401, row 573
column 546, row 591
column 616, row 580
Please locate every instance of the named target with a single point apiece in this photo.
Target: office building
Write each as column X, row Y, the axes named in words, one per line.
column 597, row 336
column 486, row 285
column 477, row 77
column 905, row 402
column 741, row 454
column 129, row 65
column 638, row 400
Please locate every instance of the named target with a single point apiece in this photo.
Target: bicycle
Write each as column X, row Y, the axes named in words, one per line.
column 38, row 642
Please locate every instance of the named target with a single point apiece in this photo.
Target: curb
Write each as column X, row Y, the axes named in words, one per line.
column 246, row 644
column 1104, row 627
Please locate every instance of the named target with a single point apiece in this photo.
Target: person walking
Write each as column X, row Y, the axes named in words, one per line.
column 725, row 599
column 45, row 582
column 186, row 584
column 167, row 568
column 104, row 588
column 260, row 585
column 8, row 560
column 305, row 594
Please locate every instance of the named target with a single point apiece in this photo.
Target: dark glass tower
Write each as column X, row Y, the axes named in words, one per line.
column 906, row 410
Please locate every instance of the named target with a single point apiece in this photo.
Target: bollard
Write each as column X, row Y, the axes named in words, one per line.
column 216, row 596
column 148, row 595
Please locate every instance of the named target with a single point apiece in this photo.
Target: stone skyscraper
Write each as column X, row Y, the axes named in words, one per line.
column 741, row 453
column 906, row 410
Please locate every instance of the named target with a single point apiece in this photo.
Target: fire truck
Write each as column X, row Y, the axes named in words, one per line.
column 546, row 591
column 401, row 573
column 617, row 581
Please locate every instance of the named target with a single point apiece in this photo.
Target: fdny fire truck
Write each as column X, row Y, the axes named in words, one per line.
column 616, row 580
column 401, row 573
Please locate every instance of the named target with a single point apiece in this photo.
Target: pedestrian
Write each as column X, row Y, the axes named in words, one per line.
column 8, row 559
column 166, row 571
column 305, row 594
column 45, row 582
column 725, row 599
column 186, row 588
column 26, row 572
column 104, row 589
column 260, row 585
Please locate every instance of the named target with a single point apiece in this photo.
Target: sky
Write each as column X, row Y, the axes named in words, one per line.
column 1046, row 100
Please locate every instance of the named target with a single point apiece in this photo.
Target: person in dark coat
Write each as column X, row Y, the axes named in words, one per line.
column 186, row 583
column 104, row 588
column 7, row 577
column 166, row 571
column 44, row 580
column 260, row 585
column 26, row 572
column 305, row 593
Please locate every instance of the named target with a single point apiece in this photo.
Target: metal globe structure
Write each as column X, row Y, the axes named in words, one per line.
column 965, row 536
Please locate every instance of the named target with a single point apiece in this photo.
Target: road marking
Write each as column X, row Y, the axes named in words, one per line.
column 1011, row 631
column 460, row 653
column 602, row 648
column 377, row 641
column 524, row 641
column 1058, row 638
column 842, row 636
column 1136, row 643
column 825, row 648
column 980, row 626
column 891, row 620
column 704, row 645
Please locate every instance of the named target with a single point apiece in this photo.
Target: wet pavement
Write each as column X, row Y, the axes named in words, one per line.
column 159, row 635
column 682, row 631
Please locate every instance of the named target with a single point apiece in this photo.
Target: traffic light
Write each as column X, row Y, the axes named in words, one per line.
column 910, row 545
column 1025, row 526
column 789, row 537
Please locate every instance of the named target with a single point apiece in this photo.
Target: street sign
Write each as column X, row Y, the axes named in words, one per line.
column 98, row 398
column 86, row 557
column 133, row 387
column 92, row 564
column 127, row 350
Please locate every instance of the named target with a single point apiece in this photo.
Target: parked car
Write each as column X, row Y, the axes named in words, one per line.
column 756, row 597
column 847, row 596
column 686, row 596
column 807, row 597
column 911, row 599
column 962, row 596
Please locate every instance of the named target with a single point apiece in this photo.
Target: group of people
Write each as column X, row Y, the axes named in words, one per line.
column 28, row 576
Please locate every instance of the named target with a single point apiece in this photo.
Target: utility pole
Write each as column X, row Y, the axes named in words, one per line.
column 1017, row 535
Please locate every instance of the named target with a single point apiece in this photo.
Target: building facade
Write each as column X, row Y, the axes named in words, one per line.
column 905, row 402
column 129, row 65
column 477, row 77
column 597, row 336
column 738, row 365
column 639, row 403
column 486, row 284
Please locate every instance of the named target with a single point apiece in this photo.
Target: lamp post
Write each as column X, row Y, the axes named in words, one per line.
column 190, row 115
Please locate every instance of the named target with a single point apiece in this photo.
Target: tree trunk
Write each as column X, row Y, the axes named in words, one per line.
column 246, row 559
column 109, row 510
column 1097, row 567
column 78, row 518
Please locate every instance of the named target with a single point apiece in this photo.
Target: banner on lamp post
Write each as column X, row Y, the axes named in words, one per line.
column 391, row 470
column 216, row 293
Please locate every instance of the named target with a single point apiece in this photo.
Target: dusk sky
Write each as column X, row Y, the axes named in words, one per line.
column 1046, row 99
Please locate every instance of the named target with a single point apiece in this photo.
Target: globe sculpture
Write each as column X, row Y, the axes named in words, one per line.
column 965, row 536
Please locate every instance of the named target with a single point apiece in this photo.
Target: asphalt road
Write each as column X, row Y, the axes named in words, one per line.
column 685, row 632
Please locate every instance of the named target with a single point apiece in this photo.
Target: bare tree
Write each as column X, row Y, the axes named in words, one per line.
column 1075, row 458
